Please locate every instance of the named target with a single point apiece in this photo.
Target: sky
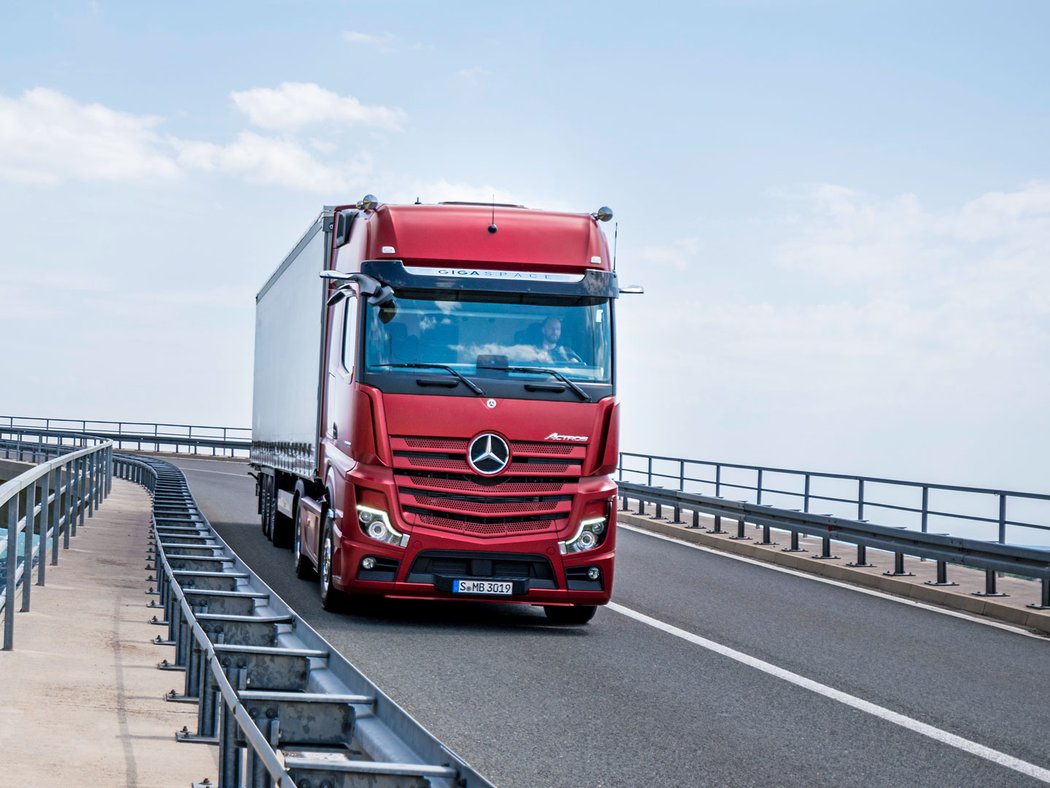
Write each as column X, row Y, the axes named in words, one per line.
column 840, row 211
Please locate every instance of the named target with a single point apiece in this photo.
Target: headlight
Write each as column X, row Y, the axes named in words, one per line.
column 376, row 524
column 587, row 536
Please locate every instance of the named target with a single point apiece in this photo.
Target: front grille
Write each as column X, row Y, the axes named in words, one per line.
column 483, row 528
column 437, row 488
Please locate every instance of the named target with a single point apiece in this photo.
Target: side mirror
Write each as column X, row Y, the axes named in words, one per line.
column 632, row 290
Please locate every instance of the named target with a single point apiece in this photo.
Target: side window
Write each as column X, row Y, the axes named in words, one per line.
column 349, row 332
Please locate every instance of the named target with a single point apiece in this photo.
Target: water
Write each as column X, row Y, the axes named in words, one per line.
column 19, row 555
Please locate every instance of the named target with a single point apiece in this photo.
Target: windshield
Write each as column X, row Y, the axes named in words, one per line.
column 492, row 338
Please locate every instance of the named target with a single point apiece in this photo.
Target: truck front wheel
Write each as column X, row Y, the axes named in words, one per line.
column 303, row 569
column 574, row 614
column 330, row 598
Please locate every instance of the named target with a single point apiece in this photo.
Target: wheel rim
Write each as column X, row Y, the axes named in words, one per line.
column 326, row 565
column 298, row 549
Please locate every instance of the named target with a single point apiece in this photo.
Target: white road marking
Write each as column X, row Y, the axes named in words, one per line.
column 219, row 473
column 952, row 740
column 1017, row 630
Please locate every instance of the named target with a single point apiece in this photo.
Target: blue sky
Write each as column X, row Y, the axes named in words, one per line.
column 841, row 211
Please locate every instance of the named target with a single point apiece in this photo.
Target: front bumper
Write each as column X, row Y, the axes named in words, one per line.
column 538, row 576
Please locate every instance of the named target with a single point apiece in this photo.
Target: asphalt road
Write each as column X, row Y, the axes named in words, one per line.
column 621, row 702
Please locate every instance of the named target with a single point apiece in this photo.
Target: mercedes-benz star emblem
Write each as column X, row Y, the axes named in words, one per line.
column 488, row 454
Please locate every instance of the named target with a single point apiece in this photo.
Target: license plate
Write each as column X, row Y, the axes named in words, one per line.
column 499, row 587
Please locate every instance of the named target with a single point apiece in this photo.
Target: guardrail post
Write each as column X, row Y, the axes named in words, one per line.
column 860, row 501
column 89, row 487
column 27, row 545
column 12, row 566
column 1002, row 518
column 56, row 516
column 659, row 512
column 925, row 507
column 942, row 576
column 767, row 537
column 1045, row 601
column 794, row 545
column 989, row 585
column 718, row 525
column 862, row 557
column 696, row 519
column 898, row 567
column 45, row 521
column 641, row 506
column 740, row 531
column 718, row 481
column 805, row 495
column 624, row 507
column 649, row 483
column 70, row 494
column 758, row 487
column 825, row 550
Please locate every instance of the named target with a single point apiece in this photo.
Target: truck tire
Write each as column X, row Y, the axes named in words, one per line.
column 330, row 597
column 303, row 568
column 569, row 615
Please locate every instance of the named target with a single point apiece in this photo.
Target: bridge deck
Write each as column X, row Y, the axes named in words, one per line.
column 81, row 699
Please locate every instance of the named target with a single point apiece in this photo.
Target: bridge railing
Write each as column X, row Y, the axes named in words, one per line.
column 156, row 437
column 45, row 504
column 980, row 529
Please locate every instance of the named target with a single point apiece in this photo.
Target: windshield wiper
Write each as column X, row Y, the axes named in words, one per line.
column 452, row 371
column 553, row 372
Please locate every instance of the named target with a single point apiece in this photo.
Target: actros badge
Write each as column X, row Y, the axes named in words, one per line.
column 488, row 454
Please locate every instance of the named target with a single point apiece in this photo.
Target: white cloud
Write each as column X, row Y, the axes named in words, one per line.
column 293, row 105
column 49, row 138
column 678, row 255
column 271, row 160
column 383, row 40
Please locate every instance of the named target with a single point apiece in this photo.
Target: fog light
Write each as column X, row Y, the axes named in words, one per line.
column 593, row 573
column 368, row 563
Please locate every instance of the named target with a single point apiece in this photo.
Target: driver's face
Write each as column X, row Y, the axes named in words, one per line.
column 552, row 330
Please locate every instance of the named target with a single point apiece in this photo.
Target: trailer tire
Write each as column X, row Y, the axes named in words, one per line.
column 281, row 530
column 571, row 615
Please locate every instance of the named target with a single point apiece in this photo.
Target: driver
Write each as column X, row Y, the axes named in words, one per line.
column 550, row 341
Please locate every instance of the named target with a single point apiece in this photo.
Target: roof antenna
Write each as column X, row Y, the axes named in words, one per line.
column 616, row 239
column 493, row 227
column 418, row 201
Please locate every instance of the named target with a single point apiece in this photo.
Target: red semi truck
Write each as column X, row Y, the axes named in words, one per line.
column 435, row 411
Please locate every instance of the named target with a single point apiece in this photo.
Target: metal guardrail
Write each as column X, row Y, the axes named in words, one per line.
column 157, row 437
column 282, row 705
column 975, row 512
column 992, row 557
column 48, row 502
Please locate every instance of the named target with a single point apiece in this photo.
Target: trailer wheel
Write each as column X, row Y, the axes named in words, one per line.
column 575, row 614
column 330, row 597
column 303, row 569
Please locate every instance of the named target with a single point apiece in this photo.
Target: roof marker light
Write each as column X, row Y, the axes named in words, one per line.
column 596, row 260
column 389, row 250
